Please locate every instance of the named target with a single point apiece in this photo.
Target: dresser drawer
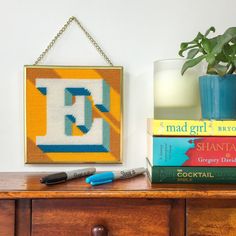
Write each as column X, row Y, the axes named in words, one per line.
column 211, row 217
column 120, row 217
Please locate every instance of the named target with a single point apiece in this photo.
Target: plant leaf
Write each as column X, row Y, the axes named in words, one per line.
column 211, row 29
column 221, row 70
column 198, row 37
column 233, row 49
column 228, row 35
column 206, row 44
column 234, row 62
column 211, row 71
column 221, row 57
column 192, row 53
column 231, row 69
column 191, row 63
column 219, row 51
column 213, row 42
column 227, row 50
column 233, row 40
column 210, row 58
column 184, row 49
column 183, row 45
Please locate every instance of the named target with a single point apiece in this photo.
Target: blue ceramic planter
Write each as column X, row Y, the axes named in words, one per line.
column 218, row 96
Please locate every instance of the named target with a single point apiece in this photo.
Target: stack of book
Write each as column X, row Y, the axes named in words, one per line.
column 191, row 151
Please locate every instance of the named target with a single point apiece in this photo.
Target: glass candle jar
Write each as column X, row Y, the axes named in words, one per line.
column 176, row 96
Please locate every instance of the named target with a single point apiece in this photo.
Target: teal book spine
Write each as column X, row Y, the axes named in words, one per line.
column 192, row 151
column 206, row 175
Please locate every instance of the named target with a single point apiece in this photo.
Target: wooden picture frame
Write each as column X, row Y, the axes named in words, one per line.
column 73, row 114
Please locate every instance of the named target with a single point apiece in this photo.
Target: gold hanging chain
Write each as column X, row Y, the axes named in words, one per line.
column 62, row 30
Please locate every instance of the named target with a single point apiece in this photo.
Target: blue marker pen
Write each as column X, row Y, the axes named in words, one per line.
column 108, row 177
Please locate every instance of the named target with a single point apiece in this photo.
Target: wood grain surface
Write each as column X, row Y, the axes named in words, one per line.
column 128, row 207
column 7, row 217
column 28, row 186
column 119, row 216
column 211, row 217
column 178, row 217
column 23, row 217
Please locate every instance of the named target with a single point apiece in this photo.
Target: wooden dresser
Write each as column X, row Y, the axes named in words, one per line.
column 131, row 207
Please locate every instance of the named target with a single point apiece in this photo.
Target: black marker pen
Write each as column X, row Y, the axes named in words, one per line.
column 64, row 176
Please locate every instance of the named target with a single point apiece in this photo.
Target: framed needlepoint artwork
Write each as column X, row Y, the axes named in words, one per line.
column 73, row 114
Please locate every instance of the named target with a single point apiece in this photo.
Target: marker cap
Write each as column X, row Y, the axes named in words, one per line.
column 102, row 178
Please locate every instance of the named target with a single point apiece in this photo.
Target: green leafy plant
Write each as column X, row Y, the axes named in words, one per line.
column 219, row 52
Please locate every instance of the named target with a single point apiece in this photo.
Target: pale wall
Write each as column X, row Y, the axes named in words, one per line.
column 134, row 33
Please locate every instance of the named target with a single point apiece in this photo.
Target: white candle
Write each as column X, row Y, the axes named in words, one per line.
column 176, row 96
column 171, row 89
